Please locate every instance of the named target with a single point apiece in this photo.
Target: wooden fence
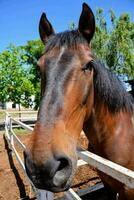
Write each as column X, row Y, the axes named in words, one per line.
column 114, row 170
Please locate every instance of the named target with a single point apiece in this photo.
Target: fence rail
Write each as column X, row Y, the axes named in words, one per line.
column 114, row 170
column 11, row 136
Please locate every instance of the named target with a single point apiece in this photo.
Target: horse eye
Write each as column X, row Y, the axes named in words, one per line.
column 87, row 66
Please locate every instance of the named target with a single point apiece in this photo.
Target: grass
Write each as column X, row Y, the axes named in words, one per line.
column 20, row 131
column 2, row 115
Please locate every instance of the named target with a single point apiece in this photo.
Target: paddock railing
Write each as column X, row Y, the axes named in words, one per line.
column 13, row 139
column 114, row 170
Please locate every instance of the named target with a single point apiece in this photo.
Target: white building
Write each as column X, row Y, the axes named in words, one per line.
column 9, row 105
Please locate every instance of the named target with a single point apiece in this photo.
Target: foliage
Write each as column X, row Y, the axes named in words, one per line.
column 19, row 75
column 33, row 50
column 115, row 45
column 14, row 83
column 101, row 37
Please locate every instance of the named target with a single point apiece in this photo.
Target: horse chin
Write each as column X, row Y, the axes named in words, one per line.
column 54, row 188
column 59, row 189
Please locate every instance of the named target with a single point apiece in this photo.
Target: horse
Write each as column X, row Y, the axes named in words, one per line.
column 78, row 93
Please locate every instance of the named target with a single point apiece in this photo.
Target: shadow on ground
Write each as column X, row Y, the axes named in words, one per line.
column 19, row 181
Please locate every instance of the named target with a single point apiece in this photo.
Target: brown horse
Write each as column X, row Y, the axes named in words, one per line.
column 78, row 93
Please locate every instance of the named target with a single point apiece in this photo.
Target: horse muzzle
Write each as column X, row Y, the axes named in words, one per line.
column 54, row 175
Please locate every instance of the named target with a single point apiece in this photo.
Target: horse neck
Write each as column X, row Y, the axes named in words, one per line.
column 100, row 123
column 103, row 123
column 103, row 118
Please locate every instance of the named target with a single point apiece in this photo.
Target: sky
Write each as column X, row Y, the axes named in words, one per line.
column 19, row 18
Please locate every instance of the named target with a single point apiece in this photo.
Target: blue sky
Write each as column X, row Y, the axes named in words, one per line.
column 19, row 19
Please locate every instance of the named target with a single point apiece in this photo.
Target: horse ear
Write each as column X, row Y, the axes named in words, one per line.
column 87, row 22
column 45, row 28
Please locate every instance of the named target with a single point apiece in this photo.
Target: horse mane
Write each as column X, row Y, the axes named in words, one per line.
column 110, row 89
column 70, row 39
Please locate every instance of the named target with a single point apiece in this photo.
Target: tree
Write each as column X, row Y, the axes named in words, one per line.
column 33, row 51
column 101, row 37
column 115, row 45
column 15, row 85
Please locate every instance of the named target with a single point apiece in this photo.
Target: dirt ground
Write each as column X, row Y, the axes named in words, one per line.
column 13, row 182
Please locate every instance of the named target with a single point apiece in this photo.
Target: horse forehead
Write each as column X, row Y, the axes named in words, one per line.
column 61, row 61
column 62, row 51
column 70, row 56
column 64, row 56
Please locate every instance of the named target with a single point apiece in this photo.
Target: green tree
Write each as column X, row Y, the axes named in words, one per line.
column 15, row 85
column 115, row 45
column 101, row 37
column 33, row 51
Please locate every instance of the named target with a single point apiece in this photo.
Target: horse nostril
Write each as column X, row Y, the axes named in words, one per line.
column 63, row 172
column 63, row 164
